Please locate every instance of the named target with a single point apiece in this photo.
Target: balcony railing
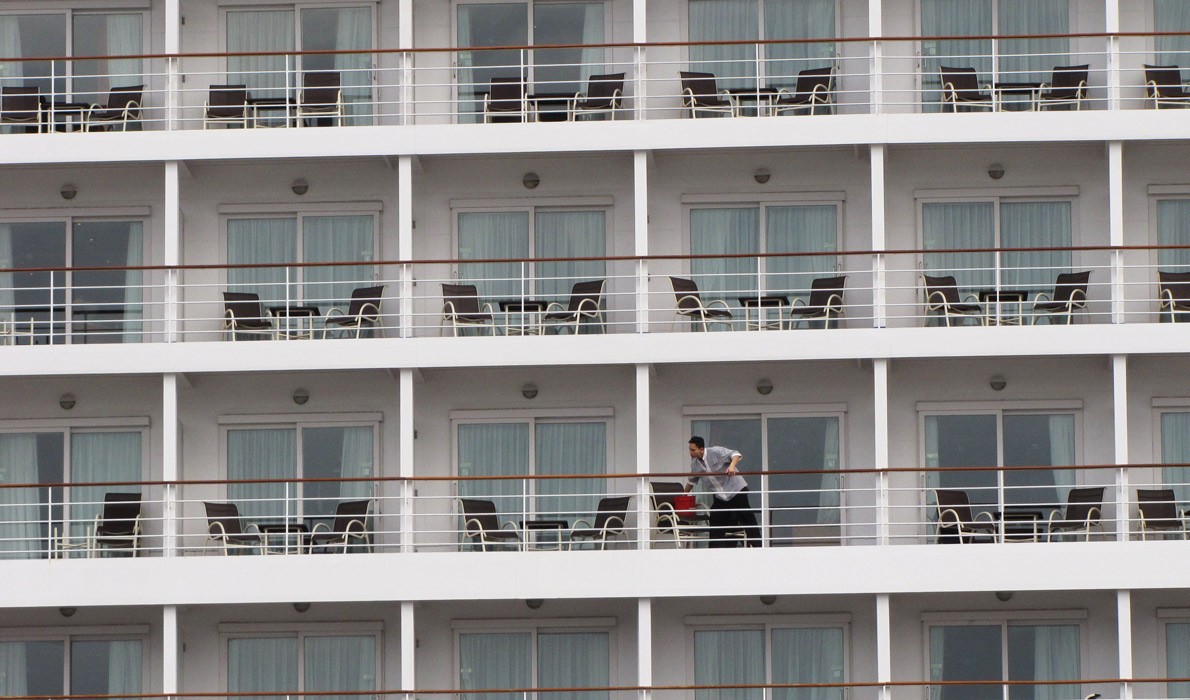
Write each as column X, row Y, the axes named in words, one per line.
column 453, row 85
column 848, row 507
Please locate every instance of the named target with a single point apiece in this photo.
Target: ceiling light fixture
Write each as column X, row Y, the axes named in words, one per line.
column 67, row 401
column 764, row 387
column 534, row 603
column 531, row 181
column 997, row 382
column 301, row 396
column 301, row 607
column 529, row 391
column 761, row 175
column 68, row 191
column 300, row 187
column 995, row 171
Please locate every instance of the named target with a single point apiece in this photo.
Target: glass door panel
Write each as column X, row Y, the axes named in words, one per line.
column 105, row 667
column 106, row 304
column 38, row 38
column 33, row 668
column 263, row 242
column 265, row 453
column 729, row 657
column 495, row 449
column 573, row 660
column 807, row 19
column 566, row 70
column 806, row 504
column 265, row 665
column 568, row 234
column 734, row 65
column 249, row 31
column 1043, row 653
column 495, row 235
column 36, row 298
column 964, row 441
column 495, row 660
column 341, row 664
column 808, row 655
column 336, row 239
column 959, row 226
column 496, row 24
column 725, row 232
column 570, row 449
column 342, row 29
column 335, row 453
column 966, row 653
column 1038, row 441
column 29, row 515
column 106, row 34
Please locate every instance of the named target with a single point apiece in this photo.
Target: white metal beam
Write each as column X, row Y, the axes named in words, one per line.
column 1119, row 366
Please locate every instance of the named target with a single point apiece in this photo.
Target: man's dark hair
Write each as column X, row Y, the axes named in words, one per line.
column 698, row 441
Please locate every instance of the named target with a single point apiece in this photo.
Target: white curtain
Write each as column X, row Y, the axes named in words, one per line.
column 592, row 56
column 1061, row 429
column 568, row 234
column 6, row 281
column 495, row 235
column 97, row 457
column 1034, row 225
column 828, row 490
column 261, row 241
column 124, row 35
column 265, row 453
column 729, row 657
column 1032, row 60
column 10, row 45
column 809, row 655
column 262, row 665
column 573, row 660
column 340, row 664
column 572, row 23
column 1173, row 228
column 336, row 239
column 1055, row 658
column 357, row 461
column 569, row 449
column 133, row 283
column 797, row 19
column 123, row 667
column 494, row 660
column 1169, row 16
column 954, row 18
column 960, row 225
column 799, row 229
column 495, row 449
column 719, row 232
column 20, row 508
column 354, row 33
column 1175, row 449
column 13, row 669
column 261, row 30
column 488, row 24
column 1177, row 658
column 725, row 20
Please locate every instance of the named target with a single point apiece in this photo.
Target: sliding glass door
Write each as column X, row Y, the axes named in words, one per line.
column 507, row 659
column 778, row 655
column 110, row 667
column 1012, row 652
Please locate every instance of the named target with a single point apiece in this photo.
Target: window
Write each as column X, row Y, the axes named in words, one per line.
column 305, row 238
column 772, row 653
column 285, row 29
column 759, row 229
column 998, row 223
column 1177, row 658
column 1011, row 651
column 526, row 234
column 1009, row 439
column 1172, row 16
column 30, row 516
column 1014, row 60
column 799, row 506
column 1175, row 449
column 85, row 306
column 302, row 451
column 533, row 23
column 535, row 658
column 95, row 666
column 1173, row 228
column 303, row 661
column 752, row 20
column 568, row 448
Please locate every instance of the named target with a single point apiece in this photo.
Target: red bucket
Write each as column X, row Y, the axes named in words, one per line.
column 684, row 506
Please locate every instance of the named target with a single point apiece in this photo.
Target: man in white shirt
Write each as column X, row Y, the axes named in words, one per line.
column 730, row 509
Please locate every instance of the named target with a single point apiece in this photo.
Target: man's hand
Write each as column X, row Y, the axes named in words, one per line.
column 731, row 468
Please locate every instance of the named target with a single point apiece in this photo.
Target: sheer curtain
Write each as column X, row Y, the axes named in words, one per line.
column 1032, row 60
column 263, row 453
column 828, row 490
column 262, row 665
column 1175, row 449
column 495, row 235
column 799, row 229
column 6, row 281
column 20, row 508
column 1168, row 16
column 719, row 232
column 1173, row 228
column 568, row 234
column 262, row 241
column 96, row 457
column 133, row 283
column 13, row 668
column 336, row 239
column 494, row 660
column 340, row 664
column 1177, row 658
column 123, row 667
column 804, row 19
column 488, row 24
column 1061, row 429
column 1055, row 658
column 960, row 225
column 954, row 18
column 1034, row 225
column 10, row 45
column 809, row 655
column 354, row 33
column 592, row 56
column 729, row 657
column 725, row 20
column 357, row 461
column 495, row 449
column 261, row 30
column 573, row 660
column 570, row 449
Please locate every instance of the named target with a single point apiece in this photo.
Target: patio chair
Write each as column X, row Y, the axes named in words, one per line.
column 942, row 296
column 460, row 307
column 243, row 314
column 955, row 522
column 320, row 99
column 22, row 105
column 1067, row 87
column 506, row 101
column 1084, row 510
column 1159, row 513
column 610, row 517
column 481, row 522
column 226, row 104
column 123, row 107
column 1163, row 85
column 118, row 525
column 350, row 527
column 825, row 302
column 1173, row 292
column 701, row 95
column 686, row 527
column 225, row 530
column 691, row 306
column 363, row 312
column 585, row 298
column 960, row 86
column 814, row 90
column 604, row 94
column 1070, row 293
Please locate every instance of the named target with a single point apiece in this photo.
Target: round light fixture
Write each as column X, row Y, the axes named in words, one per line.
column 761, row 175
column 301, row 396
column 764, row 387
column 534, row 603
column 67, row 401
column 997, row 382
column 995, row 171
column 529, row 391
column 531, row 181
column 300, row 187
column 68, row 191
column 301, row 607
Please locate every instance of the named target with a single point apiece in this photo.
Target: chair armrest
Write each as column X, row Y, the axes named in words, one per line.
column 690, row 297
column 720, row 302
column 1041, row 296
column 1166, row 298
column 588, row 306
column 448, row 309
column 335, row 311
column 554, row 306
column 687, row 97
column 253, row 528
column 935, row 300
column 835, row 301
column 374, row 316
column 1093, row 515
column 617, row 96
column 320, row 527
column 212, row 534
column 987, row 515
column 798, row 301
column 971, row 299
column 488, row 308
column 1078, row 298
column 584, row 523
column 607, row 526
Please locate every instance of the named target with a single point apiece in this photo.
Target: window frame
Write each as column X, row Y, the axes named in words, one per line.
column 228, row 631
column 69, row 635
column 767, row 623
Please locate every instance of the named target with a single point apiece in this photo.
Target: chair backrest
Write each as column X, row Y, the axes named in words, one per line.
column 463, row 297
column 1167, row 79
column 1158, row 507
column 702, row 85
column 1176, row 283
column 944, row 285
column 956, row 500
column 602, row 87
column 481, row 511
column 121, row 97
column 822, row 288
column 348, row 511
column 320, row 87
column 686, row 291
column 226, row 514
column 1070, row 282
column 812, row 78
column 243, row 305
column 507, row 94
column 964, row 80
column 120, row 511
column 585, row 294
column 1067, row 80
column 664, row 493
column 20, row 99
column 1079, row 503
column 365, row 295
column 614, row 507
column 228, row 96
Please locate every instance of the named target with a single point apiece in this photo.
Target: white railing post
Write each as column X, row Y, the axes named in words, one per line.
column 406, row 88
column 172, row 70
column 639, row 82
column 53, row 307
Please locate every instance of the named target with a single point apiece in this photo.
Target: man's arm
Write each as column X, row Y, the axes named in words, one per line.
column 731, row 466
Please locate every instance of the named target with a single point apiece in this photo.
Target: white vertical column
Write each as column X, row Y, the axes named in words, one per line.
column 173, row 45
column 1124, row 633
column 1115, row 225
column 644, row 515
column 884, row 645
column 876, row 30
column 169, row 651
column 405, row 41
column 172, row 247
column 169, row 464
column 644, row 646
column 640, row 225
column 1112, row 26
column 405, row 241
column 880, row 444
column 1119, row 367
column 640, row 34
column 408, row 649
column 406, row 459
column 879, row 293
